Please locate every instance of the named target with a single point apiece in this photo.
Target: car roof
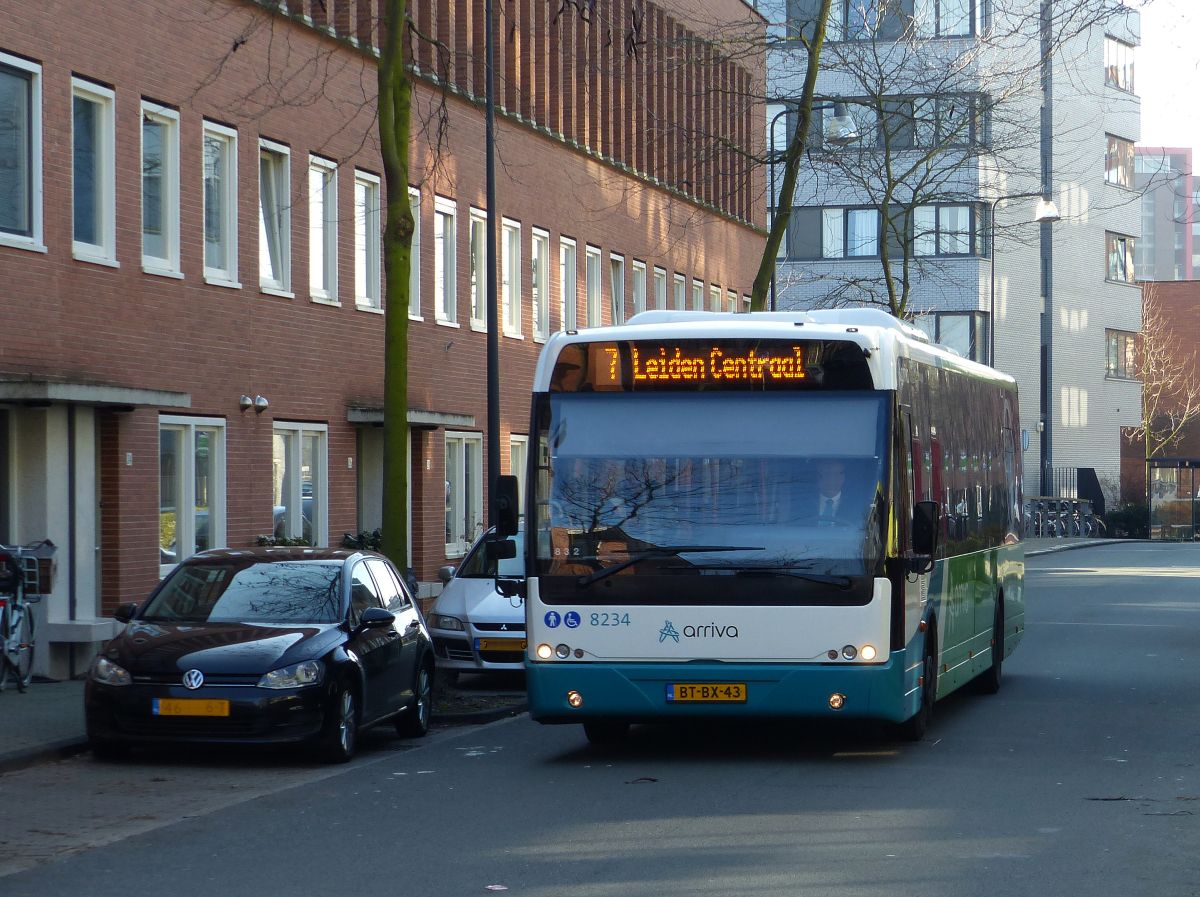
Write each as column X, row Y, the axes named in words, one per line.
column 277, row 554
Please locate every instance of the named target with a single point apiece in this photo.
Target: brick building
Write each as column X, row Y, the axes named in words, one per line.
column 191, row 326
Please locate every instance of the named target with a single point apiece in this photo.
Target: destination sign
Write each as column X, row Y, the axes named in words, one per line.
column 717, row 363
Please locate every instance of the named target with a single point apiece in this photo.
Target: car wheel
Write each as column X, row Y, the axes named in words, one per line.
column 108, row 751
column 414, row 722
column 914, row 728
column 606, row 731
column 341, row 727
column 988, row 682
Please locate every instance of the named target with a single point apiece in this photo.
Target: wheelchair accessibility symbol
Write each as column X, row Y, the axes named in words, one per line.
column 571, row 620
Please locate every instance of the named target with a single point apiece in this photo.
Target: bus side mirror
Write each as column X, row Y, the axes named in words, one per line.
column 507, row 506
column 500, row 549
column 925, row 532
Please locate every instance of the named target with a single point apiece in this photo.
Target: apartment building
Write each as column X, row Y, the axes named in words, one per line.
column 988, row 196
column 191, row 328
column 1169, row 248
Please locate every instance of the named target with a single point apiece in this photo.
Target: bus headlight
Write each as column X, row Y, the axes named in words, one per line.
column 562, row 652
column 849, row 652
column 544, row 652
column 867, row 652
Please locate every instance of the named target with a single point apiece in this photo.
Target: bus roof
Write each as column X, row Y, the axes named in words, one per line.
column 883, row 338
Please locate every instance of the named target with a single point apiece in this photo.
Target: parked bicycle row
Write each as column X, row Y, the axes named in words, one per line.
column 1060, row 518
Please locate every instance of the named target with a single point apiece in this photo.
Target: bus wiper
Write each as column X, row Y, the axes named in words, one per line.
column 842, row 582
column 659, row 551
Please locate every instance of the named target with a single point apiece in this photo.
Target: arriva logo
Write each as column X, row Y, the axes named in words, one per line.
column 709, row 630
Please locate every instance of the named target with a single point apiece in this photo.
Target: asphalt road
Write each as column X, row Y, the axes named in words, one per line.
column 1079, row 778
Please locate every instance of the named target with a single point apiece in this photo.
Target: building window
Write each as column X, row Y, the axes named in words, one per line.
column 367, row 237
column 714, row 297
column 567, row 278
column 891, row 20
column 616, row 280
column 1118, row 64
column 510, row 277
column 660, row 288
column 1118, row 161
column 479, row 249
column 680, row 291
column 518, row 455
column 20, row 153
column 639, row 287
column 539, row 278
column 299, row 470
column 93, row 164
column 445, row 264
column 731, row 301
column 322, row 229
column 414, row 256
column 592, row 286
column 274, row 217
column 464, row 491
column 1120, row 357
column 944, row 230
column 160, row 189
column 697, row 295
column 963, row 331
column 925, row 122
column 1120, row 254
column 191, row 487
column 220, row 204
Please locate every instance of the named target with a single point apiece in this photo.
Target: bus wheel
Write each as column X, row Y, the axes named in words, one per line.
column 914, row 728
column 988, row 682
column 606, row 731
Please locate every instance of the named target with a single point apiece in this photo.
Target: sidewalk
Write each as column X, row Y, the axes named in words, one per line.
column 46, row 722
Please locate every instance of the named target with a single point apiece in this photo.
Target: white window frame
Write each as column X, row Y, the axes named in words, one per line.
column 478, row 240
column 595, row 309
column 697, row 295
column 518, row 457
column 616, row 286
column 568, row 283
column 368, row 242
column 679, row 290
column 294, row 522
column 104, row 250
column 747, row 303
column 282, row 189
column 464, row 495
column 323, row 242
column 226, row 276
column 638, row 284
column 168, row 120
column 660, row 287
column 510, row 277
column 185, row 527
column 731, row 301
column 539, row 282
column 714, row 297
column 445, row 260
column 32, row 240
column 414, row 256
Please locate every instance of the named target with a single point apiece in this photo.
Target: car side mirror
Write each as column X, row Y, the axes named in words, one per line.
column 445, row 574
column 376, row 618
column 507, row 506
column 125, row 612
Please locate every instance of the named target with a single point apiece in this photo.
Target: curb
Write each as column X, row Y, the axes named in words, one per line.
column 1051, row 549
column 52, row 750
column 476, row 717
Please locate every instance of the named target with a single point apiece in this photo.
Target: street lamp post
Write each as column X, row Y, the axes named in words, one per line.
column 1045, row 211
column 492, row 306
column 840, row 130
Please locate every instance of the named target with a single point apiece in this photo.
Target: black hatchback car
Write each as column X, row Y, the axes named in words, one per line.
column 267, row 645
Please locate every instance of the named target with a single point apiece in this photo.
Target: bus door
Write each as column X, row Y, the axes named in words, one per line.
column 908, row 488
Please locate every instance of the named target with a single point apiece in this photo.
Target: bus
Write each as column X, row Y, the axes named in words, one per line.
column 809, row 514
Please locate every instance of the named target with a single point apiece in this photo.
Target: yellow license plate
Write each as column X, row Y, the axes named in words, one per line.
column 190, row 707
column 501, row 644
column 706, row 693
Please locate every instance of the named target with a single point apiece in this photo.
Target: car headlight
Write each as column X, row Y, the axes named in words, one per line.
column 104, row 670
column 298, row 675
column 441, row 621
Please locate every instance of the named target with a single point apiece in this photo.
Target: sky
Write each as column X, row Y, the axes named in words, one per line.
column 1167, row 73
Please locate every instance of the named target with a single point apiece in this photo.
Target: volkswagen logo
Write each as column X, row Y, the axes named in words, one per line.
column 193, row 679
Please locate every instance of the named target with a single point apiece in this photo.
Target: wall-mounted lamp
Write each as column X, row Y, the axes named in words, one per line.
column 245, row 403
column 260, row 404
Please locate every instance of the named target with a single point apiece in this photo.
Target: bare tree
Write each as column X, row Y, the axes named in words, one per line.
column 1166, row 363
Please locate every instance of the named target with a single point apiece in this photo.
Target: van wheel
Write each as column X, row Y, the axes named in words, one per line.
column 914, row 728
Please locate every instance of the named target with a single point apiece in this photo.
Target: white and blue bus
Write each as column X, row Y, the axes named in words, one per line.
column 770, row 515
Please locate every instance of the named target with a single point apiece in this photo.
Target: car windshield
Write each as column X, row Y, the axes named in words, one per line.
column 254, row 592
column 712, row 485
column 477, row 565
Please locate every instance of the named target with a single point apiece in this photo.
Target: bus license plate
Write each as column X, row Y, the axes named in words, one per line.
column 500, row 644
column 190, row 707
column 706, row 693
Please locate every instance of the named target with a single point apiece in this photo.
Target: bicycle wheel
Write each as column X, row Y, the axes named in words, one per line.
column 23, row 662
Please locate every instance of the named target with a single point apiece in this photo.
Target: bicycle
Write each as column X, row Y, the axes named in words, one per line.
column 19, row 571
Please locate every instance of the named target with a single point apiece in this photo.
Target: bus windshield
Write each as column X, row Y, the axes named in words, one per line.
column 716, row 497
